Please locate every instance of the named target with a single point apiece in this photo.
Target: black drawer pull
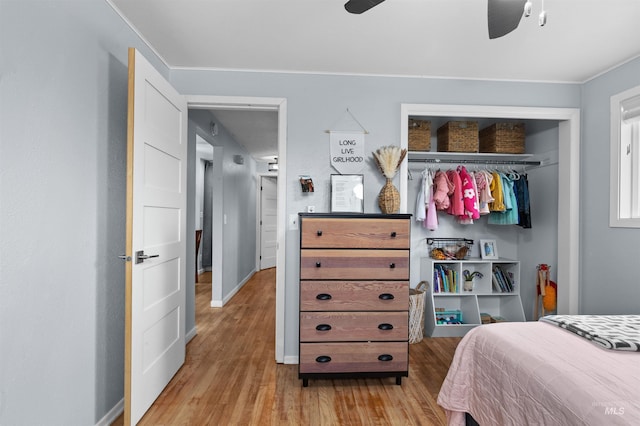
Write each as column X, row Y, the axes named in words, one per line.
column 385, row 326
column 385, row 357
column 323, row 327
column 323, row 296
column 319, row 232
column 393, row 234
column 392, row 265
column 324, row 358
column 318, row 264
column 386, row 296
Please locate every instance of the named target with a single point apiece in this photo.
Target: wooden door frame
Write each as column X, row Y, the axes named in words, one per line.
column 279, row 105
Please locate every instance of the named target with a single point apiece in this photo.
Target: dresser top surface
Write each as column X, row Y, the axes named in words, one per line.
column 357, row 215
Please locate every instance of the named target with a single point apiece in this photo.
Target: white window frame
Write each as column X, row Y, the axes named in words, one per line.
column 624, row 180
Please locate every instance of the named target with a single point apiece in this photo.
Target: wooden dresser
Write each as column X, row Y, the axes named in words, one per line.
column 354, row 296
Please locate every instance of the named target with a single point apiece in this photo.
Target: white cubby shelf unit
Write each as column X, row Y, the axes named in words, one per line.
column 486, row 297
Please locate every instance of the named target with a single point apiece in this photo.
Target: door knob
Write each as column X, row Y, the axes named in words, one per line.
column 141, row 257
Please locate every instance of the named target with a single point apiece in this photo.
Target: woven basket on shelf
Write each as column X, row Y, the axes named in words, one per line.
column 389, row 198
column 503, row 138
column 419, row 135
column 458, row 136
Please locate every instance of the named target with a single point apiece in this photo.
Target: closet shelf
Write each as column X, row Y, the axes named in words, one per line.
column 471, row 158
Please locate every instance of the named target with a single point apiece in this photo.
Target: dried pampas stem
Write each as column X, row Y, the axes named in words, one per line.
column 388, row 159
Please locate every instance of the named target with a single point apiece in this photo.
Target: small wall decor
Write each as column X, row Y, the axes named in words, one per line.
column 488, row 249
column 347, row 146
column 347, row 151
column 347, row 193
column 306, row 183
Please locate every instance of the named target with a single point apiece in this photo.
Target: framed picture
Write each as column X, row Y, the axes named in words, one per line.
column 347, row 193
column 488, row 249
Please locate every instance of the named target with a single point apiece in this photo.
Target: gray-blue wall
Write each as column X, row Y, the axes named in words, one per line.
column 63, row 80
column 238, row 202
column 315, row 103
column 609, row 277
column 63, row 110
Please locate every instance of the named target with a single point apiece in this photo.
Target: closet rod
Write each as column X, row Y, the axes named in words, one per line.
column 461, row 161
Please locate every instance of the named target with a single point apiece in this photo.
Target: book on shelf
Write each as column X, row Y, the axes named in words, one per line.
column 445, row 280
column 496, row 284
column 502, row 281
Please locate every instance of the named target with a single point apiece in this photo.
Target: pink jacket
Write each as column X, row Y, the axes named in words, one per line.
column 456, row 207
column 442, row 188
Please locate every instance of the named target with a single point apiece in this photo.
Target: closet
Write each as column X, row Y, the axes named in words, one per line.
column 551, row 165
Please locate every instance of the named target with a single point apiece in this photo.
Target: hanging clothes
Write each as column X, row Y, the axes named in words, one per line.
column 432, row 212
column 510, row 214
column 456, row 201
column 442, row 189
column 425, row 204
column 469, row 196
column 522, row 195
column 497, row 193
column 483, row 182
column 421, row 200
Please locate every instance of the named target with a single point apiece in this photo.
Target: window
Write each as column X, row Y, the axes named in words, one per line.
column 625, row 159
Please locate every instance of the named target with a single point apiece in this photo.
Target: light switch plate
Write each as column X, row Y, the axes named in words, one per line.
column 293, row 222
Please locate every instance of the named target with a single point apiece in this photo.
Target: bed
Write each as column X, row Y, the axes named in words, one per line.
column 547, row 372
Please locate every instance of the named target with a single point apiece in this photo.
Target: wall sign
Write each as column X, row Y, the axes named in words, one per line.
column 347, row 151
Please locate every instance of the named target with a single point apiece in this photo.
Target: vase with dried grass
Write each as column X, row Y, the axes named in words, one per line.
column 388, row 159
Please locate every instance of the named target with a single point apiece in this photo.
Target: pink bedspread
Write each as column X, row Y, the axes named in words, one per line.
column 533, row 373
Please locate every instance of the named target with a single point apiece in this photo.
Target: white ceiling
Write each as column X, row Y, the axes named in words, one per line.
column 257, row 131
column 426, row 38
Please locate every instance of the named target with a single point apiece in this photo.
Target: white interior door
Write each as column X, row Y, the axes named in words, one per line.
column 268, row 221
column 156, row 227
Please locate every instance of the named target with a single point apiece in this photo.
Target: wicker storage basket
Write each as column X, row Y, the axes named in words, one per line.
column 458, row 136
column 503, row 138
column 416, row 312
column 419, row 135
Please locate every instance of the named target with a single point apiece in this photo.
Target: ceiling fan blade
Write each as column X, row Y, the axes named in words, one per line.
column 359, row 6
column 504, row 16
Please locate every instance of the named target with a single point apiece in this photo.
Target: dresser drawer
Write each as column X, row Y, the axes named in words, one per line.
column 353, row 357
column 354, row 295
column 353, row 326
column 354, row 233
column 354, row 264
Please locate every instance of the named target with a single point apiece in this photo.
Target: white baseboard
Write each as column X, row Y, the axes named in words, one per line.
column 190, row 335
column 221, row 303
column 112, row 414
column 291, row 360
column 119, row 407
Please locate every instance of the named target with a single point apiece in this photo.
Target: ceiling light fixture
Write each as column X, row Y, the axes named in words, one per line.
column 504, row 16
column 542, row 18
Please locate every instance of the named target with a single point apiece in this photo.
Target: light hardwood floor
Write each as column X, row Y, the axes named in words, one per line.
column 230, row 376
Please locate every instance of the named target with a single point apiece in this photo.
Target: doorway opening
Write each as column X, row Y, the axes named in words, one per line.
column 278, row 105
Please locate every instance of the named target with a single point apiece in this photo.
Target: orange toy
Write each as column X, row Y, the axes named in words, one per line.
column 546, row 290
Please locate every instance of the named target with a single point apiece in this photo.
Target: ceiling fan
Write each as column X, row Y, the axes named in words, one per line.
column 503, row 15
